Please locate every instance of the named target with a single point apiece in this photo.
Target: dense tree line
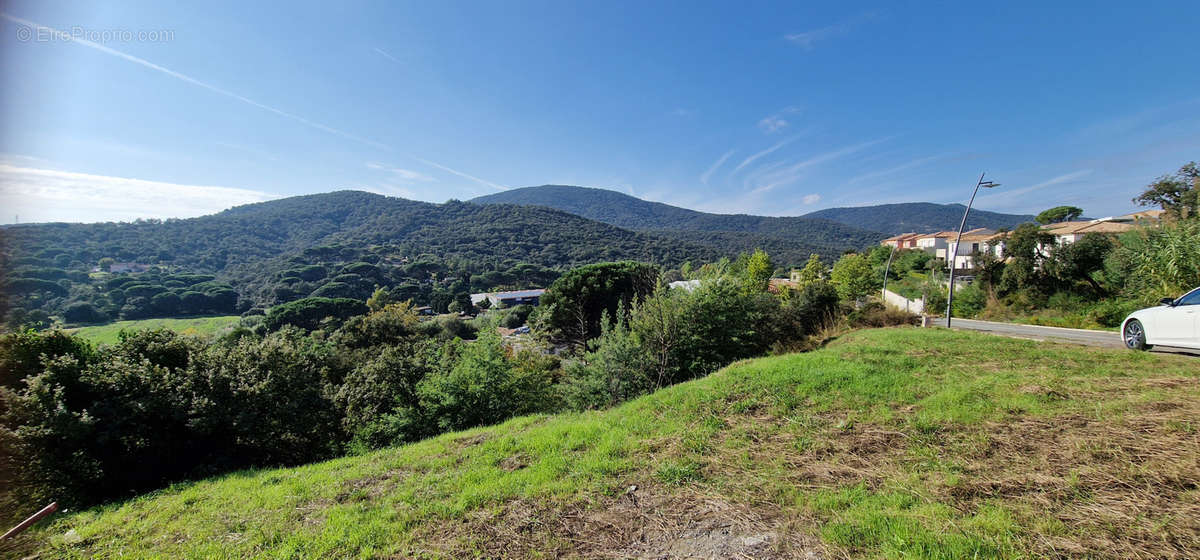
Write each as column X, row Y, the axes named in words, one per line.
column 336, row 245
column 324, row 377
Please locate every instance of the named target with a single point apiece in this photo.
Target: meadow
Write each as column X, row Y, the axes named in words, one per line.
column 195, row 326
column 886, row 443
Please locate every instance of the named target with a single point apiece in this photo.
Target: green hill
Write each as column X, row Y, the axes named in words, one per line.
column 794, row 238
column 834, row 227
column 339, row 244
column 919, row 217
column 885, row 444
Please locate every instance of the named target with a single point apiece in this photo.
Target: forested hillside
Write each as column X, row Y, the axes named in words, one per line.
column 919, row 217
column 791, row 240
column 339, row 244
column 857, row 225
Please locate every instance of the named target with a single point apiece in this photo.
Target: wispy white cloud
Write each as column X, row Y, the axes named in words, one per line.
column 463, row 175
column 771, row 124
column 893, row 170
column 406, row 175
column 808, row 39
column 387, row 55
column 704, row 177
column 755, row 157
column 1058, row 180
column 44, row 195
column 1005, row 197
column 67, row 37
column 794, row 172
column 812, row 198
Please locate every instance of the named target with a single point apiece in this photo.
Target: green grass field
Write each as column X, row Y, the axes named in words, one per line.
column 107, row 334
column 888, row 443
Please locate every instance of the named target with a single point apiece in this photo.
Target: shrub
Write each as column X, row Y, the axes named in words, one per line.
column 969, row 301
column 877, row 315
column 83, row 312
column 479, row 386
column 516, row 316
column 1111, row 312
column 689, row 334
column 617, row 368
column 380, row 399
column 805, row 310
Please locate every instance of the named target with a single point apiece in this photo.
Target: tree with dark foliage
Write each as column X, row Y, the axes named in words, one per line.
column 571, row 308
column 1178, row 193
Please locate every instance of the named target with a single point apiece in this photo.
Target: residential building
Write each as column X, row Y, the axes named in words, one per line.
column 777, row 285
column 973, row 243
column 940, row 244
column 902, row 241
column 509, row 299
column 1070, row 232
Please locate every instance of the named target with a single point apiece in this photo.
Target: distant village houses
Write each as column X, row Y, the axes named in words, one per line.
column 943, row 245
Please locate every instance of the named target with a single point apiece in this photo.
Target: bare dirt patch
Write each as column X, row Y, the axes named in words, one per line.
column 651, row 522
column 369, row 488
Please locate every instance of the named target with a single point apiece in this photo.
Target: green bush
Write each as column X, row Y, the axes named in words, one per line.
column 83, row 313
column 969, row 301
column 482, row 387
column 159, row 407
column 380, row 399
column 308, row 313
column 617, row 368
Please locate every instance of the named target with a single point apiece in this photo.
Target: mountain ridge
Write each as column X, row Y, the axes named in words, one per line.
column 627, row 211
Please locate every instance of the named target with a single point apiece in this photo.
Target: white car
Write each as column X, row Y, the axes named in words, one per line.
column 1174, row 323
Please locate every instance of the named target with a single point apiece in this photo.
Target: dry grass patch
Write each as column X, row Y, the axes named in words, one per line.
column 651, row 521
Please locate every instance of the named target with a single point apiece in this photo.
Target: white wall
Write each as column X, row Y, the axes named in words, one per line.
column 900, row 302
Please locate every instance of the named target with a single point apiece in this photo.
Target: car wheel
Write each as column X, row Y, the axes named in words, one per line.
column 1135, row 336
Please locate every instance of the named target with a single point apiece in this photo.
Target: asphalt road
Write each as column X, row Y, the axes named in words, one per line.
column 1108, row 339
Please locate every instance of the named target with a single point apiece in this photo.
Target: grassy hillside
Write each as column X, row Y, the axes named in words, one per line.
column 885, row 444
column 107, row 334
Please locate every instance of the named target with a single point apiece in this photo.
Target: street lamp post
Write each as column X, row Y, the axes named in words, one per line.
column 887, row 269
column 953, row 256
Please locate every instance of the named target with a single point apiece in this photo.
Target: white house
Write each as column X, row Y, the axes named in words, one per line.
column 973, row 243
column 936, row 243
column 942, row 244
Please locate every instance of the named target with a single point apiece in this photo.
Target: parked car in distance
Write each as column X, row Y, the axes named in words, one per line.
column 1176, row 322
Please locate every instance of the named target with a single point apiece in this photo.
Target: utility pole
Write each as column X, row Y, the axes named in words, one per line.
column 953, row 256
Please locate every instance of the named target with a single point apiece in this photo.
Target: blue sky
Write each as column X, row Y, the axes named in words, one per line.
column 157, row 110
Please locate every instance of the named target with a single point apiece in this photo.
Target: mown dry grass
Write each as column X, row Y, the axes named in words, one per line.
column 893, row 443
